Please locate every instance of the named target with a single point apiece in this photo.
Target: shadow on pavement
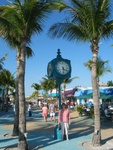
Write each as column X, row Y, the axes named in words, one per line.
column 43, row 134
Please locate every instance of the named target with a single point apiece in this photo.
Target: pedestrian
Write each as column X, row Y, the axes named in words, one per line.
column 64, row 120
column 108, row 114
column 68, row 103
column 14, row 106
column 30, row 109
column 52, row 111
column 45, row 112
column 39, row 104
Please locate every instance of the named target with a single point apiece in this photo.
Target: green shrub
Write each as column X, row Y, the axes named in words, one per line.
column 92, row 112
column 80, row 109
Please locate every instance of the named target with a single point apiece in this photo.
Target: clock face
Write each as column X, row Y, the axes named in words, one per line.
column 62, row 67
column 49, row 69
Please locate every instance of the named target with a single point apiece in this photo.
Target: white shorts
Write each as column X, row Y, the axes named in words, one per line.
column 64, row 126
column 52, row 114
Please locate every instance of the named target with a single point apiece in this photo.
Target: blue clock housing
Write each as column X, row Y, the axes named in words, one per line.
column 59, row 68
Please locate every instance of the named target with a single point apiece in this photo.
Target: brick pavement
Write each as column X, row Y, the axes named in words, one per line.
column 41, row 137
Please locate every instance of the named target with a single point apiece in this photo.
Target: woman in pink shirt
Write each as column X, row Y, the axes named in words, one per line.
column 45, row 112
column 64, row 120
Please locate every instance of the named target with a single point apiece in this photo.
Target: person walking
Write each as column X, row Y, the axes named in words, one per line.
column 52, row 111
column 45, row 112
column 30, row 109
column 108, row 114
column 39, row 104
column 64, row 120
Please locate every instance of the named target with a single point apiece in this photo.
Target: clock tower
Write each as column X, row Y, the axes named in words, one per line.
column 59, row 69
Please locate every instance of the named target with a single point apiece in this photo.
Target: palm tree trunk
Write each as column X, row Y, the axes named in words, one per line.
column 6, row 98
column 59, row 95
column 98, row 86
column 3, row 99
column 22, row 145
column 16, row 113
column 51, row 94
column 16, row 116
column 96, row 141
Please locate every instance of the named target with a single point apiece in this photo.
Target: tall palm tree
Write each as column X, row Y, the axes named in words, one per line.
column 87, row 21
column 21, row 20
column 101, row 68
column 14, row 43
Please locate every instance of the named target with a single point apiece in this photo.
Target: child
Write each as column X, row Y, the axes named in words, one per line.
column 45, row 112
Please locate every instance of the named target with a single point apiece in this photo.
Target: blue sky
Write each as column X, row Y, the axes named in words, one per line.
column 45, row 49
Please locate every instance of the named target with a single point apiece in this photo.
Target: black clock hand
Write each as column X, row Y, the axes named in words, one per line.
column 64, row 69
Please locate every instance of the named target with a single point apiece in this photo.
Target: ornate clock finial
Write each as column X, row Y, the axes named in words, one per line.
column 59, row 53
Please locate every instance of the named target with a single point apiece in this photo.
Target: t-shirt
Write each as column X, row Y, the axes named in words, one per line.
column 44, row 109
column 39, row 103
column 64, row 115
column 106, row 113
column 29, row 107
column 51, row 108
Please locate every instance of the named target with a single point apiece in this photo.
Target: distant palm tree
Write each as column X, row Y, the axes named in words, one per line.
column 87, row 21
column 2, row 61
column 110, row 83
column 7, row 80
column 37, row 87
column 44, row 85
column 48, row 85
column 102, row 68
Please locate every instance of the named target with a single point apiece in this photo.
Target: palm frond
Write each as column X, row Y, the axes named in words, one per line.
column 29, row 52
column 86, row 21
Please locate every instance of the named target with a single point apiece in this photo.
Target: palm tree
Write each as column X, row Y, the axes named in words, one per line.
column 7, row 80
column 18, row 22
column 37, row 87
column 2, row 61
column 110, row 83
column 14, row 43
column 101, row 68
column 67, row 81
column 48, row 85
column 87, row 21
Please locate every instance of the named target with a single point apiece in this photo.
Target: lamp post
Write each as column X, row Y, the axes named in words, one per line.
column 59, row 69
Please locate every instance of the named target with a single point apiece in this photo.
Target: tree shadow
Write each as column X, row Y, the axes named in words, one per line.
column 45, row 135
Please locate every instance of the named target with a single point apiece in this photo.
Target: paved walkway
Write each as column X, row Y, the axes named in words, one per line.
column 41, row 134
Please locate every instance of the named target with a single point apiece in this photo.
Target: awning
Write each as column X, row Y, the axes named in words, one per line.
column 90, row 96
column 69, row 93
